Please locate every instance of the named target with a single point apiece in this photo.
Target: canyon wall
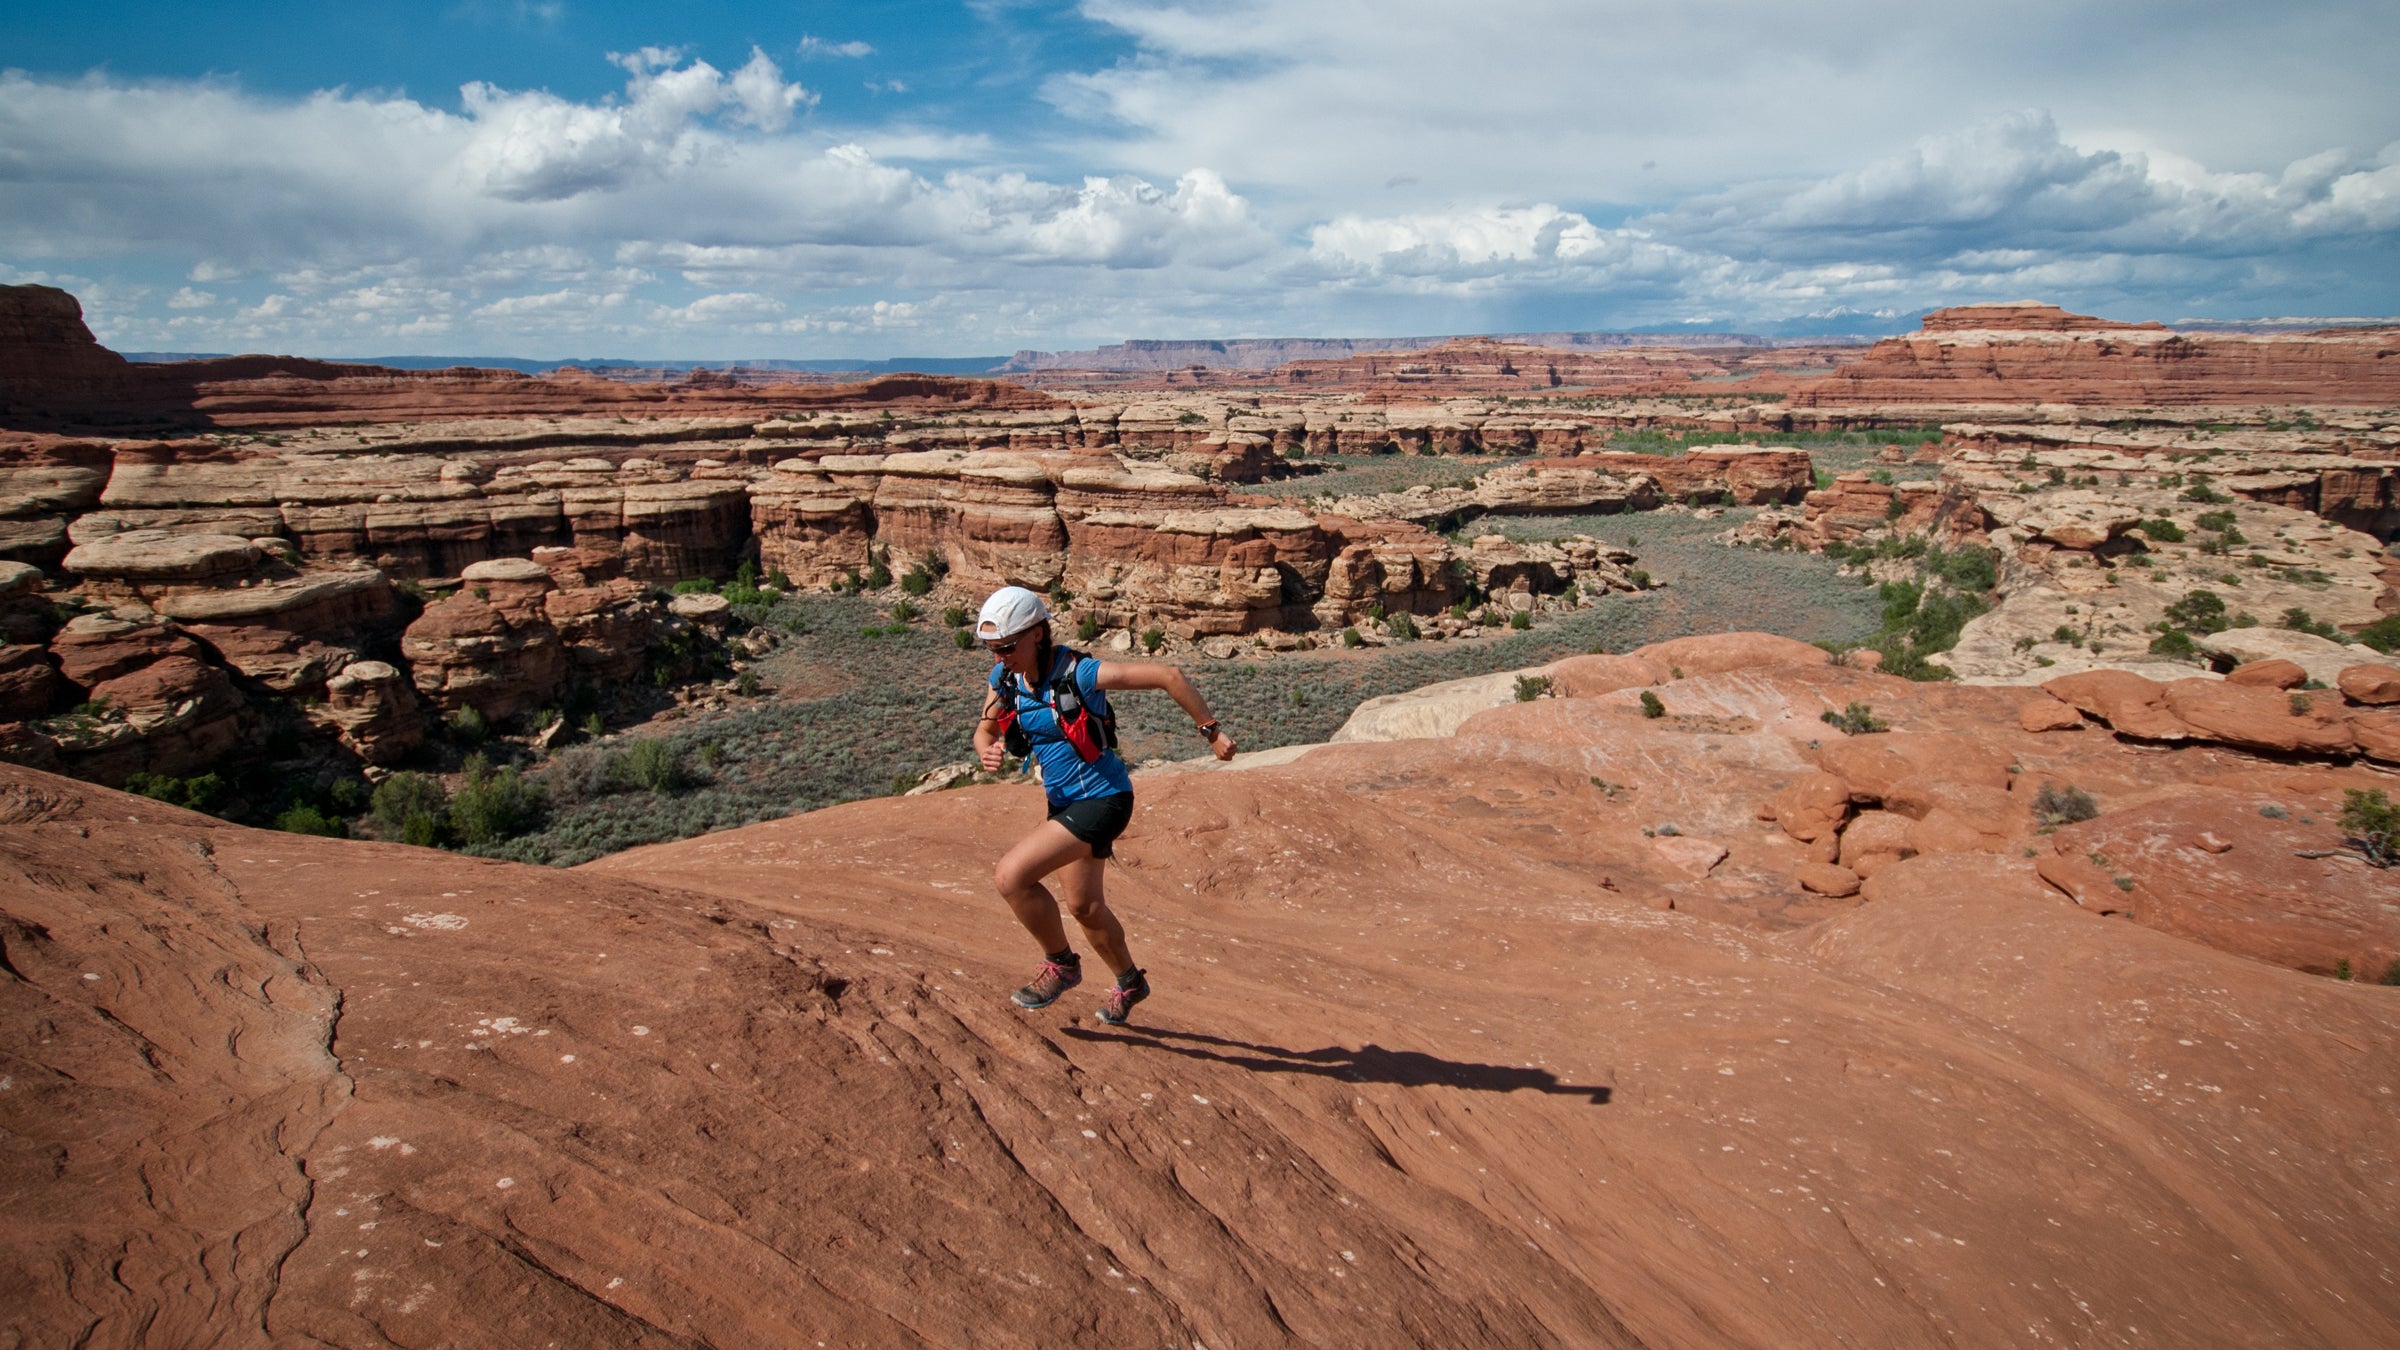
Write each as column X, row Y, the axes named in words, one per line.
column 2032, row 353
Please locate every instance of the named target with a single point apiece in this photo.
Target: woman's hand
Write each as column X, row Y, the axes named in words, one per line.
column 1221, row 744
column 991, row 753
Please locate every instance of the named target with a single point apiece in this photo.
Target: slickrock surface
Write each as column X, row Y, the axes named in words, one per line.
column 1445, row 1050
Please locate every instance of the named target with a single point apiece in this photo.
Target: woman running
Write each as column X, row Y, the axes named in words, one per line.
column 1056, row 698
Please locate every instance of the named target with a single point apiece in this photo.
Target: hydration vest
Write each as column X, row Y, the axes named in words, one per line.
column 1091, row 732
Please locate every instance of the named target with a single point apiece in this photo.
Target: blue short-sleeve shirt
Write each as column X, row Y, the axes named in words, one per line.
column 1065, row 777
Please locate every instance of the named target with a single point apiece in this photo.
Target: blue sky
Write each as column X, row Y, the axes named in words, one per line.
column 557, row 178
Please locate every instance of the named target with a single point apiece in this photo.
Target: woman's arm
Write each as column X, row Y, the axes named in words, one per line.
column 988, row 748
column 1178, row 686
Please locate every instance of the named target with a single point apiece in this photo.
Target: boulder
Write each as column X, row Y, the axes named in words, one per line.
column 2375, row 686
column 2131, row 705
column 2268, row 720
column 1811, row 808
column 2049, row 714
column 2079, row 520
column 1827, row 879
column 1875, row 840
column 2271, row 673
column 1871, row 766
column 2322, row 659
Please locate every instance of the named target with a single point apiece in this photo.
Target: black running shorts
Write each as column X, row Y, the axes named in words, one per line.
column 1096, row 820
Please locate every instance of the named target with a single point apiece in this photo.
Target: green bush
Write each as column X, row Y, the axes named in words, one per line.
column 1531, row 687
column 1651, row 707
column 197, row 793
column 878, row 577
column 2219, row 521
column 2057, row 805
column 2371, row 823
column 1520, row 619
column 466, row 726
column 2383, row 634
column 1350, row 638
column 1402, row 626
column 916, row 582
column 2301, row 621
column 2199, row 611
column 2175, row 645
column 303, row 818
column 904, row 612
column 2162, row 530
column 1969, row 568
column 410, row 806
column 1087, row 628
column 964, row 640
column 955, row 616
column 653, row 763
column 1858, row 719
column 746, row 684
column 1153, row 639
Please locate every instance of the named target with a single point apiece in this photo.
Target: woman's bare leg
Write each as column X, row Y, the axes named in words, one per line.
column 1051, row 848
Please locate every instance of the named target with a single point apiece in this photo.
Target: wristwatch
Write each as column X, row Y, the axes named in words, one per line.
column 1208, row 730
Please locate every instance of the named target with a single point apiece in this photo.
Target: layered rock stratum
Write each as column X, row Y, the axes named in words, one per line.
column 1535, row 1032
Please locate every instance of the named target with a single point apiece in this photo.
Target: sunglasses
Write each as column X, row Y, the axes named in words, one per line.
column 1004, row 648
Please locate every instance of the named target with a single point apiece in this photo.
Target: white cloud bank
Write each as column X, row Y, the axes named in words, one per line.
column 1329, row 168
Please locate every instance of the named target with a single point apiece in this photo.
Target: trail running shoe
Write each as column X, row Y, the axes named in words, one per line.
column 1119, row 1004
column 1049, row 982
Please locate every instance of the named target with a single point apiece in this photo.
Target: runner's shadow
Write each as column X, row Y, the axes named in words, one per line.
column 1370, row 1064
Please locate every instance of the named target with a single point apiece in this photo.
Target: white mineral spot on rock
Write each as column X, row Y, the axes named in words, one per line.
column 381, row 1142
column 1200, row 1099
column 91, row 974
column 505, row 1182
column 641, row 1031
column 446, row 923
column 566, row 1059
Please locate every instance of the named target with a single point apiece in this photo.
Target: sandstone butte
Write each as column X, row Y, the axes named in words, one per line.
column 1449, row 1048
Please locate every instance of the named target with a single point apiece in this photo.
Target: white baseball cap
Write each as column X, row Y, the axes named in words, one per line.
column 1010, row 610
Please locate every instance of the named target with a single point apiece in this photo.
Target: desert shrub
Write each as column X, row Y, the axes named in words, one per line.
column 1350, row 638
column 2300, row 705
column 1969, row 568
column 2199, row 611
column 2301, row 621
column 1651, row 707
column 466, row 726
column 2371, row 824
column 904, row 612
column 1520, row 619
column 1153, row 639
column 1087, row 628
column 1858, row 719
column 917, row 582
column 2201, row 491
column 963, row 639
column 2220, row 521
column 302, row 818
column 1403, row 626
column 2162, row 530
column 2383, row 634
column 2062, row 804
column 197, row 793
column 412, row 807
column 2175, row 645
column 878, row 577
column 746, row 684
column 955, row 616
column 577, row 775
column 1531, row 687
column 592, row 725
column 653, row 763
column 1375, row 612
column 492, row 806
